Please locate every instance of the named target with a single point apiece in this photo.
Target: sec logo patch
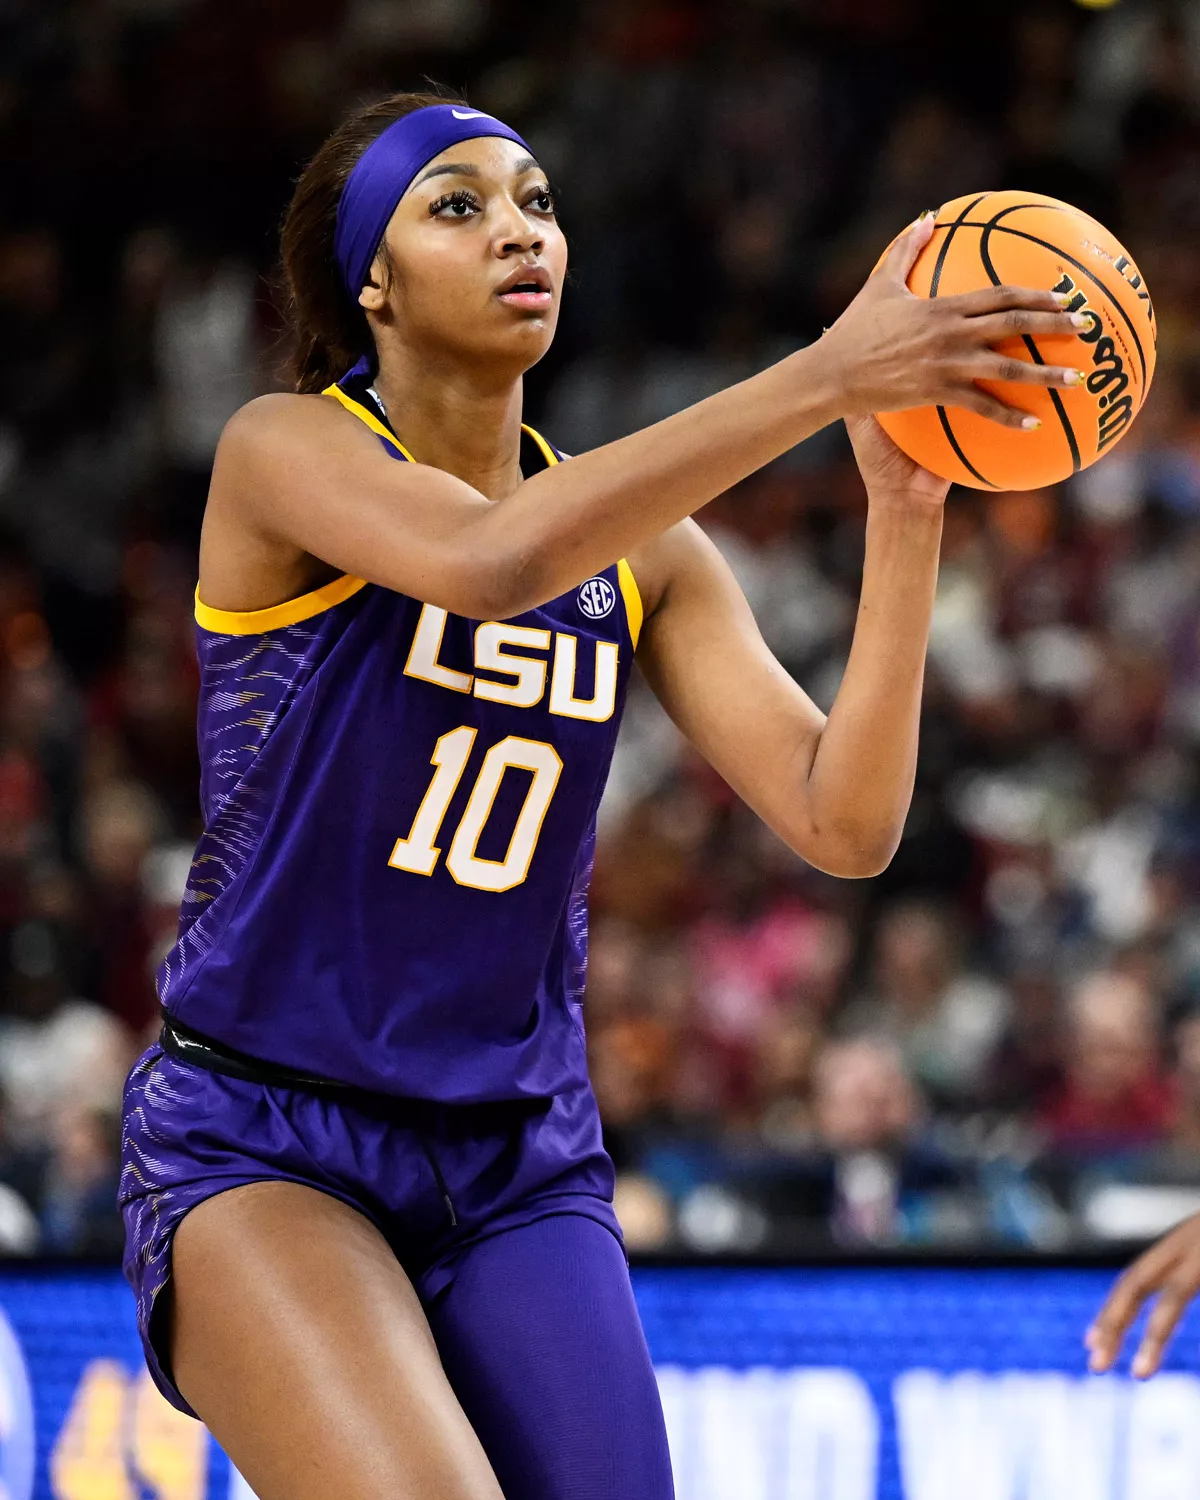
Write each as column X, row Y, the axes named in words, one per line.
column 596, row 598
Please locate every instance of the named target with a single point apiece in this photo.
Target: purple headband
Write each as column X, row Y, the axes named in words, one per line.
column 384, row 173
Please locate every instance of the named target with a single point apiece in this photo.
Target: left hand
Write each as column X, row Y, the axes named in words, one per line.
column 887, row 471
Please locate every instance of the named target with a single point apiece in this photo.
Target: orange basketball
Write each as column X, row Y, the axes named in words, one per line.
column 1024, row 239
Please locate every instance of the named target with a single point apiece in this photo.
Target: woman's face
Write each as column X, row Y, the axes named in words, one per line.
column 477, row 259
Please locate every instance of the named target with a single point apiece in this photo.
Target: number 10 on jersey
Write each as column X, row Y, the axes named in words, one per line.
column 419, row 852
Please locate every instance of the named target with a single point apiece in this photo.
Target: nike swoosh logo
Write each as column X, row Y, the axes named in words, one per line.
column 474, row 114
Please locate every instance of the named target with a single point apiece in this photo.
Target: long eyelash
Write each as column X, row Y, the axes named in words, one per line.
column 459, row 197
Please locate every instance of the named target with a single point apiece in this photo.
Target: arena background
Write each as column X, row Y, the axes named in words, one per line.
column 988, row 1055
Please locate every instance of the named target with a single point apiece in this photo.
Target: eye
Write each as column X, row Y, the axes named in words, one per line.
column 460, row 204
column 542, row 200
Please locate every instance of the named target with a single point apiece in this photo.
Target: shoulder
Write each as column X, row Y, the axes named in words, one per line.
column 277, row 457
column 284, row 417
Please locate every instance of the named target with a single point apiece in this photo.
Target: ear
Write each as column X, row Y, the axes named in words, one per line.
column 373, row 298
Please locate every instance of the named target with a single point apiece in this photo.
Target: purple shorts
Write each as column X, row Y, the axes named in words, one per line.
column 434, row 1179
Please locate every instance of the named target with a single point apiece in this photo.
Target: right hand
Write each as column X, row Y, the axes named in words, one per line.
column 1169, row 1272
column 890, row 349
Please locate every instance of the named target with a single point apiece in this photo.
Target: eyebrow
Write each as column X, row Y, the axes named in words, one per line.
column 466, row 169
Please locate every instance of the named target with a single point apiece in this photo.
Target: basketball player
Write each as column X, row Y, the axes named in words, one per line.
column 369, row 1216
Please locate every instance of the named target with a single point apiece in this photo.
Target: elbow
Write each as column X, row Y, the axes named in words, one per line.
column 850, row 854
column 500, row 585
column 864, row 862
column 481, row 588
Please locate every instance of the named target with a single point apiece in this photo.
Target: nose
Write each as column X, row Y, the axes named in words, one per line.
column 516, row 234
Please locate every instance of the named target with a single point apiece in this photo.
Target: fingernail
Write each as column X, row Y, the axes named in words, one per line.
column 1073, row 377
column 1080, row 320
column 1140, row 1367
column 1062, row 298
column 1029, row 423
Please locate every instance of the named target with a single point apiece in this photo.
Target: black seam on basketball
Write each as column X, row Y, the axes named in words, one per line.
column 962, row 457
column 945, row 250
column 1076, row 461
column 1035, row 353
column 934, row 280
column 1034, row 239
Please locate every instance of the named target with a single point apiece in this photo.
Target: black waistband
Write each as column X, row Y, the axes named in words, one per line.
column 190, row 1046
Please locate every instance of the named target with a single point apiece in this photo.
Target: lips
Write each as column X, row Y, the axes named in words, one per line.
column 526, row 287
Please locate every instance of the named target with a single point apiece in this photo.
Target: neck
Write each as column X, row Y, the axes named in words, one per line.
column 456, row 419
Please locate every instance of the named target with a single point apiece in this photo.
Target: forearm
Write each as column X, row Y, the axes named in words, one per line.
column 574, row 519
column 861, row 778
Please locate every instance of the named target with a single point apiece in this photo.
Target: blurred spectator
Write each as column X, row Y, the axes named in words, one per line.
column 787, row 1048
column 889, row 1182
column 752, row 952
column 1028, row 1061
column 946, row 1020
column 862, row 1167
column 81, row 1183
column 121, row 821
column 1115, row 1095
column 54, row 1046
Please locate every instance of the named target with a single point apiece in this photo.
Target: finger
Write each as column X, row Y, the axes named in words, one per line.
column 992, row 327
column 902, row 256
column 1124, row 1302
column 1161, row 1324
column 862, row 428
column 994, row 299
column 1023, row 372
column 974, row 399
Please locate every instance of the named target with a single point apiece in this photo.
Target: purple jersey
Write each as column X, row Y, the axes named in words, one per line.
column 399, row 806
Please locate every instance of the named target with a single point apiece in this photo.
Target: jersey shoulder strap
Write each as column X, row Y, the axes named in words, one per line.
column 356, row 394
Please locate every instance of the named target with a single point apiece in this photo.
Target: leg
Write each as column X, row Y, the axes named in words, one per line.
column 541, row 1339
column 298, row 1339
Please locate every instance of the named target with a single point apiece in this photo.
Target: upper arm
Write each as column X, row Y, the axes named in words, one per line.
column 703, row 655
column 298, row 472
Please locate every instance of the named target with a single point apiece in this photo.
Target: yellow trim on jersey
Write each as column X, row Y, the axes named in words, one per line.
column 291, row 612
column 547, row 451
column 629, row 588
column 327, row 597
column 357, row 409
column 632, row 598
column 377, row 427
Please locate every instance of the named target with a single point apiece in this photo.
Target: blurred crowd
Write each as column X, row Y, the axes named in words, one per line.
column 998, row 1040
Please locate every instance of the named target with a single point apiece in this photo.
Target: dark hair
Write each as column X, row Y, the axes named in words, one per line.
column 329, row 328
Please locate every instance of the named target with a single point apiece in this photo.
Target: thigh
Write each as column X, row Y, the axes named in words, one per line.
column 541, row 1339
column 295, row 1335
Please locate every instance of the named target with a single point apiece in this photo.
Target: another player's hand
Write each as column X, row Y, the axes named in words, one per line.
column 890, row 349
column 1170, row 1271
column 887, row 471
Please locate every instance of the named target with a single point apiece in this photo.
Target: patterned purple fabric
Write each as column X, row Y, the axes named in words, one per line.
column 190, row 1134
